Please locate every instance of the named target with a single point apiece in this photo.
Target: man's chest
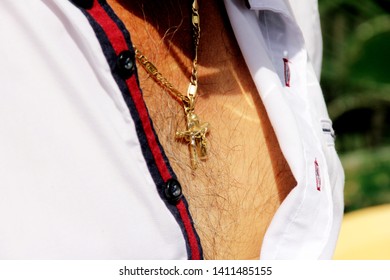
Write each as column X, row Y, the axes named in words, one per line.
column 234, row 193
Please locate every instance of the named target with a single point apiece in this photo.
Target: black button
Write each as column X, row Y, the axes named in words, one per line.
column 125, row 64
column 173, row 191
column 85, row 4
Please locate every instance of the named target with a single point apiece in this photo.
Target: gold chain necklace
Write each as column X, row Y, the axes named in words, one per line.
column 195, row 134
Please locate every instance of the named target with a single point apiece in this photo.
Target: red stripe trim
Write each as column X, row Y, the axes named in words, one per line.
column 150, row 137
column 115, row 36
column 113, row 33
column 162, row 167
column 195, row 253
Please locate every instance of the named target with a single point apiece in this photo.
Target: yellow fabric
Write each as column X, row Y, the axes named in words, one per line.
column 365, row 234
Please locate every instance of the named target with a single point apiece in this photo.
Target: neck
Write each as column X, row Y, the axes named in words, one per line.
column 160, row 23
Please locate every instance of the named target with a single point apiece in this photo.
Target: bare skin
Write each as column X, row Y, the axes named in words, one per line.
column 234, row 194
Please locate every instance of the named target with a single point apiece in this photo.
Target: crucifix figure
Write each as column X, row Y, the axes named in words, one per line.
column 195, row 135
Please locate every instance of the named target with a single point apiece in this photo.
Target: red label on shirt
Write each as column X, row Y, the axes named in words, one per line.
column 318, row 177
column 286, row 72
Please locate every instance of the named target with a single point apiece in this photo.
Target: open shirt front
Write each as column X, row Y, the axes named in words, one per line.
column 81, row 170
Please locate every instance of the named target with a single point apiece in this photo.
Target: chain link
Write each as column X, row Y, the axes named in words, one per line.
column 157, row 76
column 196, row 35
column 189, row 100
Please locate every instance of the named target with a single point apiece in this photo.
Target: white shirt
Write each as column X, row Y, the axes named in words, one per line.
column 76, row 182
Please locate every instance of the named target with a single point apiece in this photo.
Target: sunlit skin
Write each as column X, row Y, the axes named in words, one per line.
column 234, row 193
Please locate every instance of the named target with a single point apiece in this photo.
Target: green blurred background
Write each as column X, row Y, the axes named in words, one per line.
column 356, row 84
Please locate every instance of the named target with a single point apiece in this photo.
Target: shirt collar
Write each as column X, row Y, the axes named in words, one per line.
column 278, row 6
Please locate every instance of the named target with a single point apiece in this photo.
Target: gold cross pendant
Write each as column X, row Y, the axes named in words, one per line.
column 195, row 135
